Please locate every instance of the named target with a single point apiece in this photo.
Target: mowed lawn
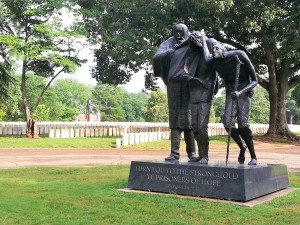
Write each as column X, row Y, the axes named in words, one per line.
column 45, row 142
column 90, row 195
column 216, row 143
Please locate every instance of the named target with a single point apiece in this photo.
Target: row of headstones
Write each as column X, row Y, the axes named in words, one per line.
column 141, row 137
column 85, row 132
column 220, row 130
column 12, row 130
column 43, row 128
column 136, row 138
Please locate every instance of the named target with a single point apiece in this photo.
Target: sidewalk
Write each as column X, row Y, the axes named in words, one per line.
column 18, row 158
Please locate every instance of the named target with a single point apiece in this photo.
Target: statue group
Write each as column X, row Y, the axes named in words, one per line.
column 190, row 64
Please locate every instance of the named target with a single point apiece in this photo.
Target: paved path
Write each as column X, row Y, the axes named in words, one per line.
column 18, row 158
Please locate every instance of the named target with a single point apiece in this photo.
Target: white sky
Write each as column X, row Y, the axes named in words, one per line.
column 83, row 74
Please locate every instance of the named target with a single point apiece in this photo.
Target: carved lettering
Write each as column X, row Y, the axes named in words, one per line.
column 210, row 182
column 142, row 169
column 181, row 178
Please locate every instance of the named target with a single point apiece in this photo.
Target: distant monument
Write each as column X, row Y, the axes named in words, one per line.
column 89, row 116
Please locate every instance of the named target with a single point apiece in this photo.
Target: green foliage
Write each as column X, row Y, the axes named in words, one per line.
column 34, row 86
column 6, row 80
column 12, row 102
column 108, row 100
column 72, row 93
column 41, row 113
column 33, row 34
column 69, row 114
column 212, row 116
column 129, row 32
column 115, row 104
column 3, row 115
column 65, row 99
column 132, row 105
column 292, row 105
column 260, row 107
column 268, row 32
column 41, row 40
column 157, row 107
column 219, row 107
column 295, row 95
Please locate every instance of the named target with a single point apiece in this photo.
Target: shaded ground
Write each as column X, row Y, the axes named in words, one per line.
column 267, row 152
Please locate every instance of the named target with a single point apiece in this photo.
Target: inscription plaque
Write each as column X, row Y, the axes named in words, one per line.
column 231, row 182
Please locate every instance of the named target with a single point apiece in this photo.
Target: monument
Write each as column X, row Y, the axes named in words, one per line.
column 231, row 182
column 197, row 59
column 89, row 116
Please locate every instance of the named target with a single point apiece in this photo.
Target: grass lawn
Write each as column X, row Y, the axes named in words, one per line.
column 216, row 143
column 45, row 142
column 89, row 195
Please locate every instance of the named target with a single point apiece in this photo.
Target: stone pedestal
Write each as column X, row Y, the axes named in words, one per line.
column 231, row 182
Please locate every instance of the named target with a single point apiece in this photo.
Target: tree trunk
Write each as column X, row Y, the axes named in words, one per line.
column 282, row 128
column 273, row 93
column 25, row 101
column 278, row 124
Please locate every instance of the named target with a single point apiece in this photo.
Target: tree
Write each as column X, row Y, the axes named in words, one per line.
column 108, row 100
column 41, row 113
column 12, row 102
column 5, row 67
column 268, row 32
column 72, row 93
column 295, row 95
column 260, row 109
column 293, row 105
column 132, row 105
column 69, row 114
column 128, row 33
column 259, row 106
column 219, row 107
column 33, row 34
column 212, row 116
column 157, row 107
column 3, row 115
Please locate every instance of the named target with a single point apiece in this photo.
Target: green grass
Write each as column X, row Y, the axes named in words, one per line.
column 45, row 142
column 216, row 143
column 89, row 195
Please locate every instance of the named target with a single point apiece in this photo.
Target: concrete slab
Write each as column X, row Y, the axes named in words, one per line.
column 258, row 201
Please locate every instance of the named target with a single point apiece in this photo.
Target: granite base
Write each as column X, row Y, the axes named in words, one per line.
column 215, row 180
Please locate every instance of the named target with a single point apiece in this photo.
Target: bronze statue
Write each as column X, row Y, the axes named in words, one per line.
column 203, row 85
column 238, row 102
column 89, row 107
column 168, row 62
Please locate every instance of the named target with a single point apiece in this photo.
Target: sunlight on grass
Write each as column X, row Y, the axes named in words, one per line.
column 45, row 142
column 90, row 195
column 216, row 143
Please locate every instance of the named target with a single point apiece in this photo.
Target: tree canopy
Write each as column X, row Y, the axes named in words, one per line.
column 32, row 34
column 268, row 31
